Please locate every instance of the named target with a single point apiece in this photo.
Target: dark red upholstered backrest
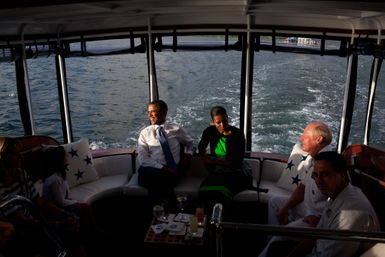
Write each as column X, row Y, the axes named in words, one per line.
column 31, row 142
column 370, row 161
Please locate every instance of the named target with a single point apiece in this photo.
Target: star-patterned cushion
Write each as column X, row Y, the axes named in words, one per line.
column 297, row 164
column 80, row 167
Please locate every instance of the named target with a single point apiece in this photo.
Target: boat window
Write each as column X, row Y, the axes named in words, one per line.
column 192, row 82
column 44, row 96
column 377, row 137
column 108, row 97
column 291, row 90
column 377, row 132
column 108, row 90
column 10, row 121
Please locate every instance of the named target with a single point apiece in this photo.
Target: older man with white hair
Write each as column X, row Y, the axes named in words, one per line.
column 304, row 206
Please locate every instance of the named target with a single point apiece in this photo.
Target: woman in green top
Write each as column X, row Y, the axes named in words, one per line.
column 224, row 161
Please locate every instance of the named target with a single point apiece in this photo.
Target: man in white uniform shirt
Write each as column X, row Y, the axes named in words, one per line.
column 305, row 205
column 155, row 173
column 347, row 208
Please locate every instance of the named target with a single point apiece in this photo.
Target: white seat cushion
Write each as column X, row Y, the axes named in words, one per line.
column 94, row 190
column 133, row 188
column 252, row 195
column 114, row 165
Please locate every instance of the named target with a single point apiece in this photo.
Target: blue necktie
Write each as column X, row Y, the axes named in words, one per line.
column 166, row 148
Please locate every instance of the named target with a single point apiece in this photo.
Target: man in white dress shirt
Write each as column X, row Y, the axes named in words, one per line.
column 155, row 173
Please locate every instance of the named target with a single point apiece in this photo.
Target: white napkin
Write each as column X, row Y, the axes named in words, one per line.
column 176, row 226
column 158, row 228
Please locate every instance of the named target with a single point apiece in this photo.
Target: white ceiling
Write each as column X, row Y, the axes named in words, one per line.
column 88, row 17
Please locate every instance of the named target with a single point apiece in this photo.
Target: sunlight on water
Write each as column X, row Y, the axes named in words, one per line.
column 108, row 96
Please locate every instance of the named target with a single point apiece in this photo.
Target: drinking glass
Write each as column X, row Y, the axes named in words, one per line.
column 199, row 213
column 193, row 225
column 165, row 210
column 158, row 212
column 182, row 202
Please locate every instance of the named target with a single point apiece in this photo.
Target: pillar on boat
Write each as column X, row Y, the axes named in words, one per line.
column 61, row 78
column 153, row 85
column 247, row 83
column 24, row 91
column 376, row 67
column 348, row 104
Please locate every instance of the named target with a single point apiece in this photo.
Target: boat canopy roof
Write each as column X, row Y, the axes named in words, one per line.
column 46, row 19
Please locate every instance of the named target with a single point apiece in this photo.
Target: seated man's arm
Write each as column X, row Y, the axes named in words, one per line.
column 296, row 197
column 312, row 220
column 144, row 156
column 187, row 141
column 188, row 147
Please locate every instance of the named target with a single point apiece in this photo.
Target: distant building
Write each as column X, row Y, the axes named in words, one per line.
column 303, row 41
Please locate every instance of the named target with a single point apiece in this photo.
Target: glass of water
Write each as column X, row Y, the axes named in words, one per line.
column 158, row 212
column 182, row 202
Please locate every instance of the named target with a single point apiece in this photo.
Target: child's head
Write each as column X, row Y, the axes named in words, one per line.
column 55, row 160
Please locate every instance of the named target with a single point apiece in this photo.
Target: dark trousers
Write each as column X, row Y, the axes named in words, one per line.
column 160, row 184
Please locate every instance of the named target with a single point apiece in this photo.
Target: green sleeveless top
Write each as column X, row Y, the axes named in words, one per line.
column 220, row 152
column 220, row 149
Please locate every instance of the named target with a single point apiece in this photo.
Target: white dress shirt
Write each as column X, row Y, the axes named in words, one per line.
column 150, row 153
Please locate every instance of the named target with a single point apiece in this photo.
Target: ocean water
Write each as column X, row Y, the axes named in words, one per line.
column 109, row 96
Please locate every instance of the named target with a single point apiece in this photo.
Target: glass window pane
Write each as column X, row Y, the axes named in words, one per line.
column 192, row 82
column 108, row 98
column 44, row 96
column 291, row 90
column 10, row 120
column 362, row 94
column 109, row 94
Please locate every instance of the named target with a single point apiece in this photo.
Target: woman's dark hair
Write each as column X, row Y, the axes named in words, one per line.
column 218, row 110
column 54, row 161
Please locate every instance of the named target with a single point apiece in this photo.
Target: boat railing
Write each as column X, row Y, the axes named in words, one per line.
column 294, row 232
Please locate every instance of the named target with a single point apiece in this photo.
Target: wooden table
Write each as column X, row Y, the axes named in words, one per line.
column 167, row 237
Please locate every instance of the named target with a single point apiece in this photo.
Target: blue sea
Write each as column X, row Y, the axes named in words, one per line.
column 109, row 95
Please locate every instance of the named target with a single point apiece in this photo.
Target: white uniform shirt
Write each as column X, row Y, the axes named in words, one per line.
column 314, row 200
column 150, row 153
column 351, row 210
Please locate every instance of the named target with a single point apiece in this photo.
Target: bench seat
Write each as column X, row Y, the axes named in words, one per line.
column 117, row 175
